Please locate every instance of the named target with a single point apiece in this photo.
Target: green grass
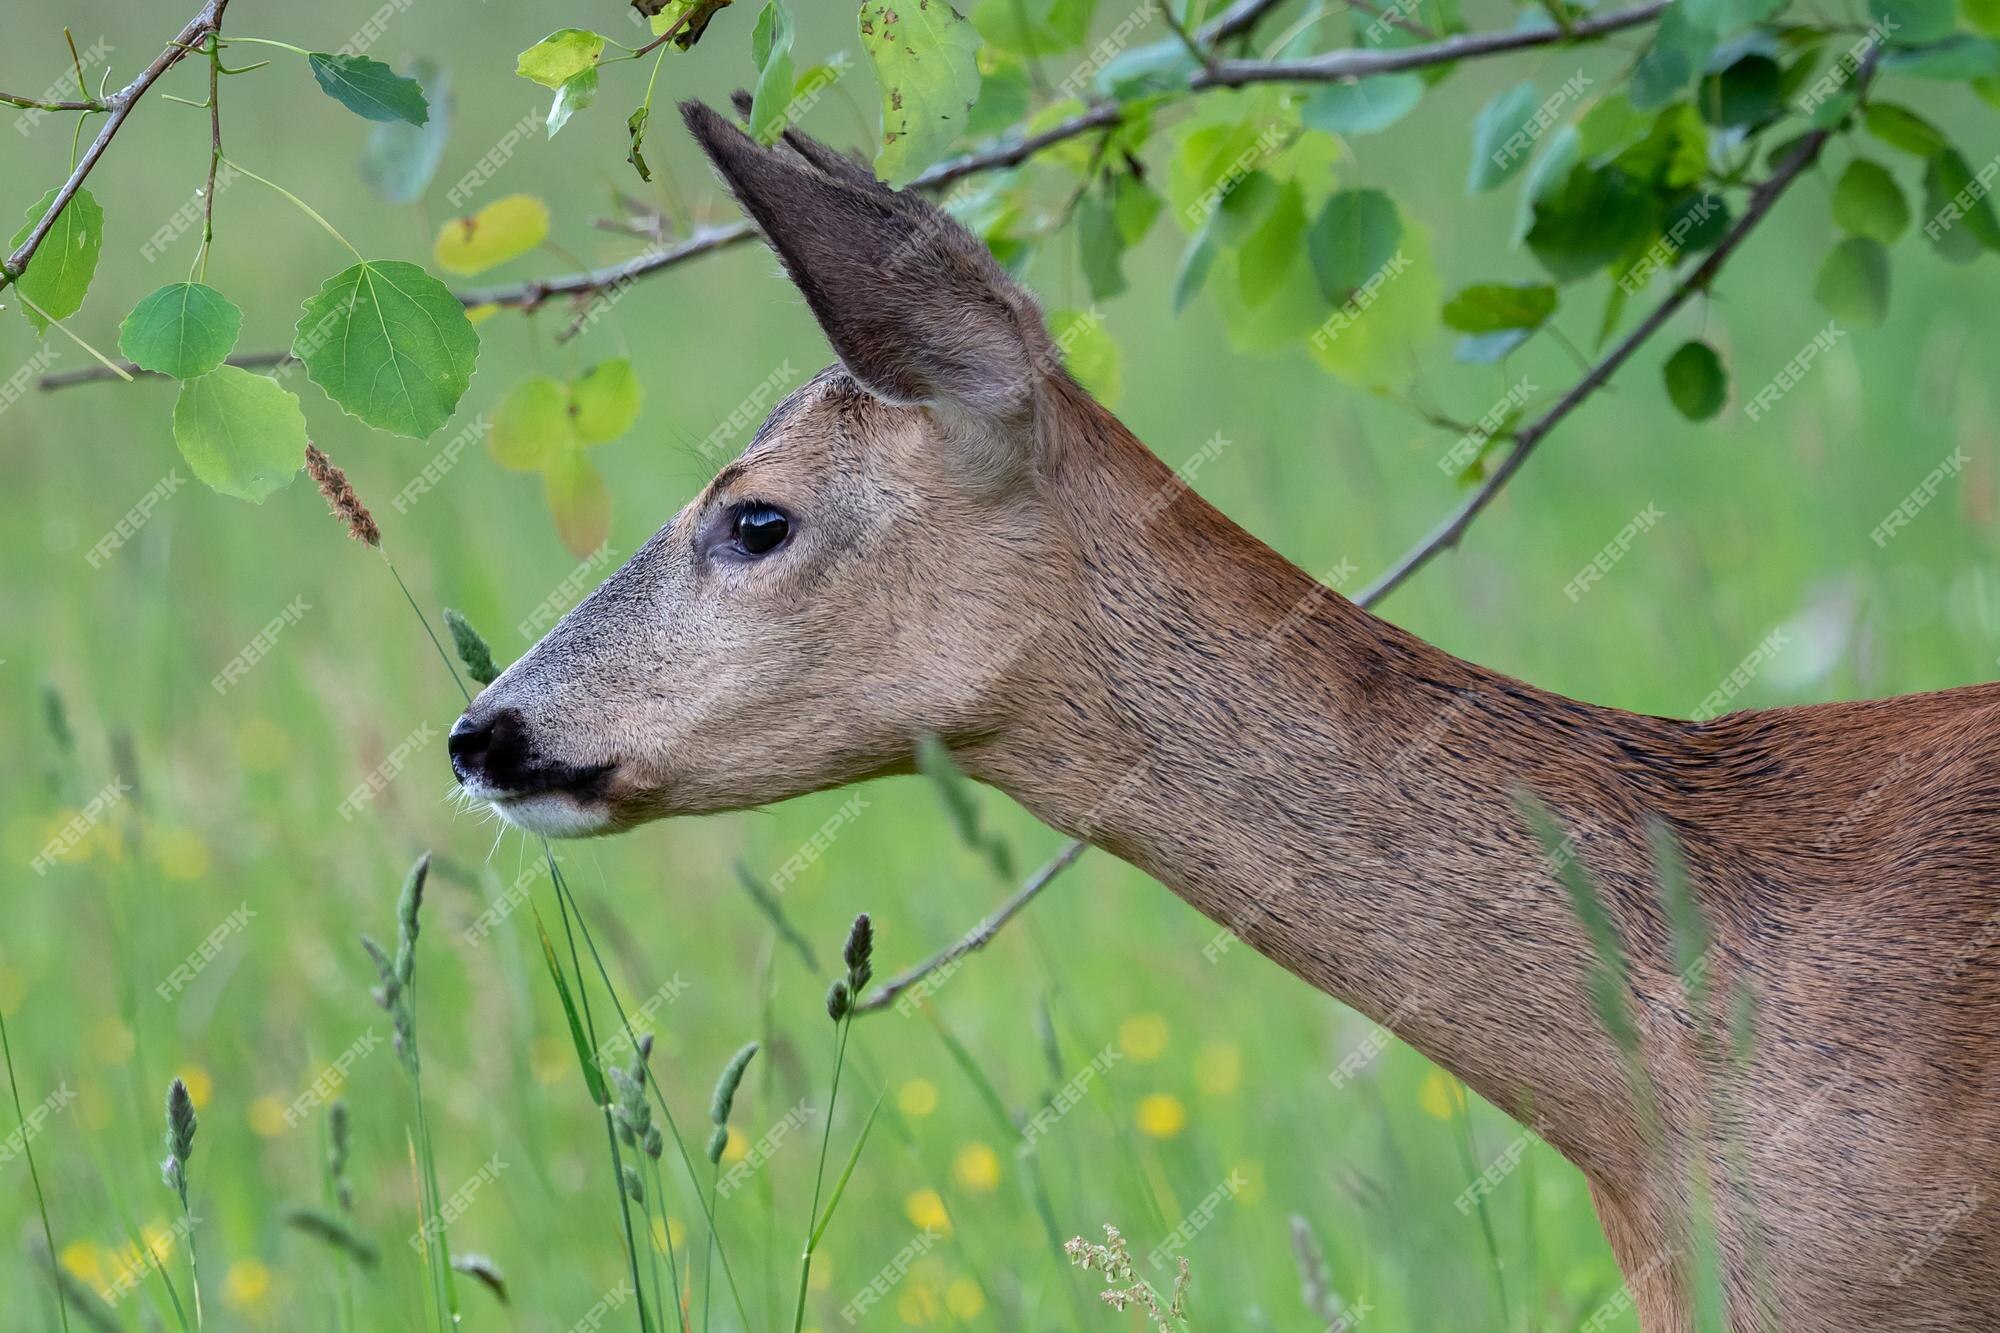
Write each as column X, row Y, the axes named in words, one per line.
column 236, row 796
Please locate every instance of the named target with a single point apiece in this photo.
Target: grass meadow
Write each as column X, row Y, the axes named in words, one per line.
column 207, row 926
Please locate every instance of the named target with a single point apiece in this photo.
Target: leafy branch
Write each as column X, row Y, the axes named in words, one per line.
column 118, row 106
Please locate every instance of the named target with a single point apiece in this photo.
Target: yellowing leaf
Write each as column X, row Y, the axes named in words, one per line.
column 604, row 402
column 560, row 56
column 580, row 502
column 531, row 427
column 505, row 229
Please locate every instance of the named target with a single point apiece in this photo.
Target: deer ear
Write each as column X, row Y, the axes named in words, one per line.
column 915, row 305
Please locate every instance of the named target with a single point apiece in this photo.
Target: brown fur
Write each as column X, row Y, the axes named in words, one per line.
column 981, row 551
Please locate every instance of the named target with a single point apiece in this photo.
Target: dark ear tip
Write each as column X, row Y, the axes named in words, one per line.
column 742, row 101
column 710, row 127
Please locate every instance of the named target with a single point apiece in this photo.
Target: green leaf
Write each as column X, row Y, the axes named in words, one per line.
column 1196, row 261
column 1484, row 349
column 390, row 344
column 1242, row 210
column 1697, row 385
column 401, row 158
column 1958, row 211
column 1593, row 218
column 577, row 497
column 531, row 427
column 1744, row 93
column 1915, row 22
column 1959, row 58
column 1135, row 204
column 1500, row 138
column 560, row 57
column 1868, row 202
column 1983, row 15
column 1354, row 235
column 1488, row 307
column 59, row 275
column 1146, row 71
column 771, row 52
column 604, row 401
column 635, row 131
column 1680, row 48
column 1374, row 337
column 369, row 88
column 1900, row 127
column 1853, row 282
column 243, row 434
column 1100, row 248
column 578, row 91
column 1268, row 254
column 184, row 329
column 925, row 58
column 505, row 229
column 1033, row 28
column 1364, row 106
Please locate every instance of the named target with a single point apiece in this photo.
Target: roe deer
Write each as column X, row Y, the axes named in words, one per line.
column 945, row 534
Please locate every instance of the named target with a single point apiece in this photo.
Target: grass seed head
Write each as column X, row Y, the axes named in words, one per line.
column 838, row 1001
column 181, row 1124
column 341, row 499
column 472, row 649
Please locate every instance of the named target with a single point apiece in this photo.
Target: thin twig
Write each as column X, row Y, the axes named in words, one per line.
column 1236, row 20
column 978, row 936
column 1447, row 533
column 1358, row 63
column 121, row 104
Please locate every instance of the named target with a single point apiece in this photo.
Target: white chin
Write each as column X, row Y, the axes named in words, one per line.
column 552, row 814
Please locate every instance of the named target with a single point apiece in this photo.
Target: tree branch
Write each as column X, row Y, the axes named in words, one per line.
column 120, row 104
column 1447, row 533
column 1358, row 63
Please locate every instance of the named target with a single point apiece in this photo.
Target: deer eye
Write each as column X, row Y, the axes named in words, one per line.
column 758, row 529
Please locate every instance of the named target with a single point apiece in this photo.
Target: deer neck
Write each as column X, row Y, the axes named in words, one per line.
column 1327, row 788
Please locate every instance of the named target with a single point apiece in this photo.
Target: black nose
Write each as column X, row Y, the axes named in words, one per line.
column 491, row 749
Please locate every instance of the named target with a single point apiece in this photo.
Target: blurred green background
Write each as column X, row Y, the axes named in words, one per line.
column 237, row 797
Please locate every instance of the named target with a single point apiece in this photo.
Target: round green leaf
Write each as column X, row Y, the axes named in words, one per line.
column 390, row 344
column 1501, row 138
column 369, row 88
column 1746, row 93
column 1488, row 307
column 1697, row 385
column 1365, row 106
column 531, row 427
column 560, row 57
column 184, row 329
column 1900, row 127
column 604, row 402
column 1853, row 282
column 926, row 59
column 1090, row 352
column 1868, row 202
column 60, row 273
column 241, row 433
column 1354, row 235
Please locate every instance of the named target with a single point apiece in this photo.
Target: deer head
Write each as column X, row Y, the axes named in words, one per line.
column 854, row 580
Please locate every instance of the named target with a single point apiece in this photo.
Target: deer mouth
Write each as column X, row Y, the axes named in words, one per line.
column 559, row 801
